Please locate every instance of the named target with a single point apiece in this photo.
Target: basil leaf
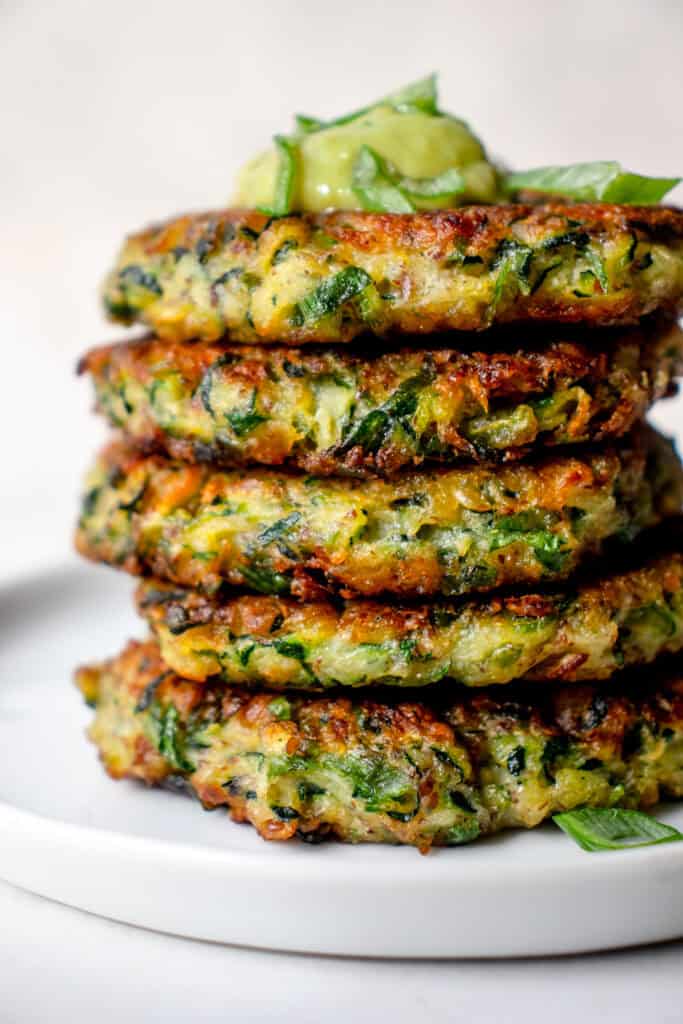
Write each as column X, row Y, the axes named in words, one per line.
column 330, row 295
column 441, row 186
column 305, row 124
column 288, row 159
column 420, row 95
column 634, row 188
column 382, row 188
column 373, row 184
column 602, row 181
column 610, row 828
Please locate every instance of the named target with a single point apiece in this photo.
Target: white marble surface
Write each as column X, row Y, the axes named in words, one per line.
column 115, row 114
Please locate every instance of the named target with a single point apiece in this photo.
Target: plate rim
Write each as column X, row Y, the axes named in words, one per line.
column 24, row 830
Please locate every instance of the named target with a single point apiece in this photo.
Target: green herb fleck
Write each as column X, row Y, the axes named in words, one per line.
column 280, row 708
column 513, row 262
column 243, row 421
column 265, row 580
column 291, row 649
column 330, row 295
column 597, row 265
column 280, row 254
column 134, row 275
column 279, row 529
column 374, row 428
column 284, row 813
column 171, row 744
column 148, row 693
column 516, row 761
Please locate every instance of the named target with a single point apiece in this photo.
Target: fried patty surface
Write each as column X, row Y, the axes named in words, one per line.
column 330, row 277
column 440, row 531
column 582, row 632
column 340, row 411
column 404, row 772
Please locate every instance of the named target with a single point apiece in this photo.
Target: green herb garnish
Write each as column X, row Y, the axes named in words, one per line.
column 171, row 743
column 375, row 185
column 288, row 158
column 418, row 96
column 610, row 828
column 382, row 188
column 602, row 181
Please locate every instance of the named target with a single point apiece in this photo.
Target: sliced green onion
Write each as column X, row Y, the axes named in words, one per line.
column 602, row 181
column 330, row 295
column 610, row 828
column 285, row 176
column 382, row 188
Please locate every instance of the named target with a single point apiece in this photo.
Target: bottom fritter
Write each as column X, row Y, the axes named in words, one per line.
column 441, row 773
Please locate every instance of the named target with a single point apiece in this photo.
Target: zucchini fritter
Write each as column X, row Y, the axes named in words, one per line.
column 583, row 633
column 329, row 277
column 343, row 411
column 441, row 531
column 364, row 771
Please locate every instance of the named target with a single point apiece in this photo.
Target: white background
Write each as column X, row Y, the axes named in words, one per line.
column 112, row 115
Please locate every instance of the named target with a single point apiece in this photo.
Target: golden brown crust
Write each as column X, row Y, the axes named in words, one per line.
column 343, row 410
column 432, row 231
column 365, row 770
column 237, row 273
column 441, row 531
column 590, row 630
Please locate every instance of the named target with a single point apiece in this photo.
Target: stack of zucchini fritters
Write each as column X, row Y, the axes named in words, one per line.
column 364, row 454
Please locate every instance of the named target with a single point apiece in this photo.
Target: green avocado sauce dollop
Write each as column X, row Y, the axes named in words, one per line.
column 397, row 155
column 402, row 154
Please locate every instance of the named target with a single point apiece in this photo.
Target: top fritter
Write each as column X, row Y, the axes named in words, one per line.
column 329, row 277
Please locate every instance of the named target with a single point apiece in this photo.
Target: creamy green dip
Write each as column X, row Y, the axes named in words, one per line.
column 407, row 140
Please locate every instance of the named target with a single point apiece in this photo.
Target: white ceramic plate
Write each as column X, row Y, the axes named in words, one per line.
column 155, row 859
